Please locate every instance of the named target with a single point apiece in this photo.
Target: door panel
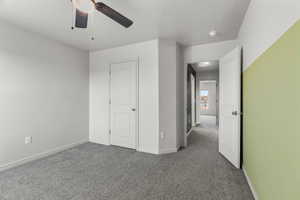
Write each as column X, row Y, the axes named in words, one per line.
column 123, row 104
column 230, row 106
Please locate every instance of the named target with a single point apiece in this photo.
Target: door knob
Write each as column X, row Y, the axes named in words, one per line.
column 133, row 109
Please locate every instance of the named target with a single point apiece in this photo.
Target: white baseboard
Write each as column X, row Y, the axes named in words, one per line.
column 39, row 155
column 98, row 141
column 148, row 152
column 250, row 185
column 169, row 150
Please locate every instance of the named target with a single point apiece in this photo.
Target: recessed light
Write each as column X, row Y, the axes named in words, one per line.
column 204, row 64
column 213, row 33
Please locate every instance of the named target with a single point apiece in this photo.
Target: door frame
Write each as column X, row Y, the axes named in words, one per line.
column 191, row 72
column 186, row 134
column 137, row 100
column 242, row 110
column 185, row 93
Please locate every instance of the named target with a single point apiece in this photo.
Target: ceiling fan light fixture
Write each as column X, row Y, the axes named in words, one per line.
column 86, row 6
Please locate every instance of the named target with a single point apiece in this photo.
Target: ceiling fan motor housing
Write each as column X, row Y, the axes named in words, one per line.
column 85, row 6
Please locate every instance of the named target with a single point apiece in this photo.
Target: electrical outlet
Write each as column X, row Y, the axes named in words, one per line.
column 162, row 135
column 28, row 140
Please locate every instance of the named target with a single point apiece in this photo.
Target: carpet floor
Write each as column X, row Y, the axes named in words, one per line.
column 97, row 172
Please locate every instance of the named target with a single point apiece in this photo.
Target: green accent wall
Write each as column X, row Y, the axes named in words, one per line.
column 272, row 119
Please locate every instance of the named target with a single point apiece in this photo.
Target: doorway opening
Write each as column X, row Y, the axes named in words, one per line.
column 208, row 94
column 204, row 95
column 217, row 101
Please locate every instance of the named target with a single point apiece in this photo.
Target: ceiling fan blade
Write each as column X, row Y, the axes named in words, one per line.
column 114, row 15
column 81, row 20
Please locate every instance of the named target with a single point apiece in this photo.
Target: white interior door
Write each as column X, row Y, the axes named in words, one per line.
column 123, row 104
column 230, row 106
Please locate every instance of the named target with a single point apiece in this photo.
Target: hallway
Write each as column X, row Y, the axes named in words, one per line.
column 92, row 172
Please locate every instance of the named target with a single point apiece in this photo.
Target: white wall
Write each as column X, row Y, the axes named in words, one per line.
column 207, row 52
column 147, row 55
column 167, row 96
column 159, row 101
column 265, row 22
column 208, row 75
column 43, row 94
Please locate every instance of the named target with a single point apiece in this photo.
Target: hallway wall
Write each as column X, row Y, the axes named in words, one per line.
column 271, row 105
column 168, row 89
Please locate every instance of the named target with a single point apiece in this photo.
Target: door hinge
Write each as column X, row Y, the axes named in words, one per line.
column 109, row 132
column 110, row 101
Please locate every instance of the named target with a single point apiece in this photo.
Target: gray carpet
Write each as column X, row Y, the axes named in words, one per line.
column 96, row 172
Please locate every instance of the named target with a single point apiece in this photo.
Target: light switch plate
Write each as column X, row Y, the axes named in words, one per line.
column 28, row 140
column 162, row 135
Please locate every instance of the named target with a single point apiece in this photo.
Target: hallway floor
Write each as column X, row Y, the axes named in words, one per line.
column 97, row 172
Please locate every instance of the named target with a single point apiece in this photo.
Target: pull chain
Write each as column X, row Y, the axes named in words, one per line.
column 92, row 26
column 73, row 15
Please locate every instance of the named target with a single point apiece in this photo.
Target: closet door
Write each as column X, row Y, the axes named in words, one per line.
column 123, row 104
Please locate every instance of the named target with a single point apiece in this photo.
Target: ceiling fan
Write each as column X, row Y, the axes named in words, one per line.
column 86, row 7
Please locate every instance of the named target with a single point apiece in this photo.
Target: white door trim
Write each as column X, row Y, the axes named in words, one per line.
column 137, row 100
